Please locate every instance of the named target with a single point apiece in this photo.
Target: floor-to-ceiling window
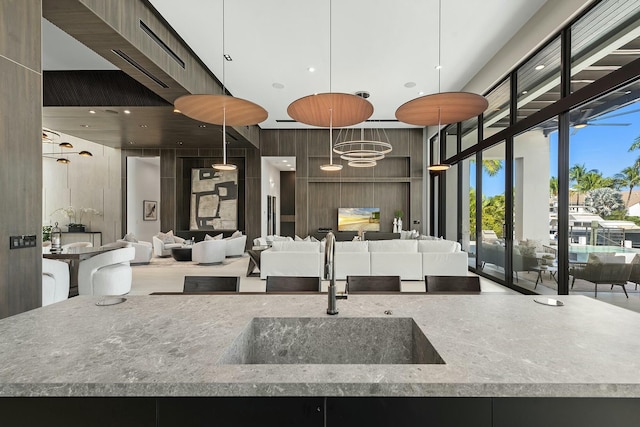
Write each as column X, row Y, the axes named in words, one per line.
column 534, row 197
column 526, row 159
column 492, row 228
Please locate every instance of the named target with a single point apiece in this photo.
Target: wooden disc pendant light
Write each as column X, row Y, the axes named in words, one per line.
column 330, row 110
column 441, row 108
column 221, row 109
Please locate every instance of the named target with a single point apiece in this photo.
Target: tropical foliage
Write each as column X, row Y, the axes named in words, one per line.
column 604, row 201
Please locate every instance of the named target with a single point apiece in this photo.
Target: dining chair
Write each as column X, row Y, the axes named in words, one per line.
column 211, row 284
column 373, row 284
column 452, row 284
column 293, row 284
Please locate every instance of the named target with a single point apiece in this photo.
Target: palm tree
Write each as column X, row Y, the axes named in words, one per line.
column 553, row 186
column 636, row 144
column 492, row 167
column 629, row 177
column 592, row 180
column 577, row 174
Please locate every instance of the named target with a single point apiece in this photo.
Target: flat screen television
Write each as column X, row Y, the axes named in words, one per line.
column 358, row 219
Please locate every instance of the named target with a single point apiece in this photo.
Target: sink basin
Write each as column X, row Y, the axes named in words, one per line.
column 342, row 340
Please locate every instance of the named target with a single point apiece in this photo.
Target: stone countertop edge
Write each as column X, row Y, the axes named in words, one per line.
column 493, row 346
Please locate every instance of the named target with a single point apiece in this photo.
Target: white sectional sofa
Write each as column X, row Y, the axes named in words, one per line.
column 290, row 258
column 409, row 259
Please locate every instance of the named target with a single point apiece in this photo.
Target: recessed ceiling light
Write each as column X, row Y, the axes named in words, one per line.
column 284, row 161
column 131, row 143
column 179, row 142
column 202, row 126
column 92, row 111
column 420, row 93
column 143, row 126
column 410, row 84
column 175, row 110
column 278, row 85
column 127, row 112
column 438, row 67
column 539, row 67
column 291, row 169
column 85, row 126
column 311, row 69
column 524, row 92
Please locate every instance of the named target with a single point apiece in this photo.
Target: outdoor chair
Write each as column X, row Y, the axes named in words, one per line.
column 602, row 269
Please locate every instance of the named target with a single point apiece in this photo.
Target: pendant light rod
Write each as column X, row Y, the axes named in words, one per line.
column 224, row 135
column 330, row 136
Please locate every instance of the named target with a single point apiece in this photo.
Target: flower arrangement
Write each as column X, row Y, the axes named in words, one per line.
column 76, row 215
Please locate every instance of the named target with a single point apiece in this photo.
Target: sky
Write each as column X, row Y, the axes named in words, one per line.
column 604, row 148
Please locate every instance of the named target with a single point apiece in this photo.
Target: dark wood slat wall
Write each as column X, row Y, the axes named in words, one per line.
column 175, row 168
column 395, row 183
column 21, row 161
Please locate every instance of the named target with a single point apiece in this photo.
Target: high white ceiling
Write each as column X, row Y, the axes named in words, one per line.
column 363, row 45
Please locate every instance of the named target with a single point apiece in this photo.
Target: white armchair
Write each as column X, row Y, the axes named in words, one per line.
column 108, row 273
column 55, row 281
column 209, row 251
column 162, row 249
column 236, row 245
column 144, row 251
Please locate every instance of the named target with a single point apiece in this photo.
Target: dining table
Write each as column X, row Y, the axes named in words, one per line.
column 74, row 256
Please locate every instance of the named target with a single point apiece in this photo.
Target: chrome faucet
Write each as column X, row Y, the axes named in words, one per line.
column 330, row 274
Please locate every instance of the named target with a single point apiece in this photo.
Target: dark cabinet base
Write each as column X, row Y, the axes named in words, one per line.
column 318, row 411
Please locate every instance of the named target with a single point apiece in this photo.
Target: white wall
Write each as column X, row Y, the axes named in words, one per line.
column 143, row 183
column 270, row 187
column 531, row 185
column 87, row 182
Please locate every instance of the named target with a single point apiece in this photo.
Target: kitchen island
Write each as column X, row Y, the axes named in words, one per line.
column 502, row 355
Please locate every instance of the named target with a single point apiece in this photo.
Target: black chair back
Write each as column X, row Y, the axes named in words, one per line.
column 452, row 284
column 293, row 284
column 211, row 284
column 373, row 283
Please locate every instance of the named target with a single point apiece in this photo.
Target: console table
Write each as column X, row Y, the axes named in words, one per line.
column 95, row 237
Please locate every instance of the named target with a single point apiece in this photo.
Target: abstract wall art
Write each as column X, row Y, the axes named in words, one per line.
column 214, row 200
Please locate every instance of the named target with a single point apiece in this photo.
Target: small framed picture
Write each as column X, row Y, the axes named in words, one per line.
column 150, row 210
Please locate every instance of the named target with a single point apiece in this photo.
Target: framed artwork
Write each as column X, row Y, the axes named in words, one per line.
column 214, row 200
column 150, row 210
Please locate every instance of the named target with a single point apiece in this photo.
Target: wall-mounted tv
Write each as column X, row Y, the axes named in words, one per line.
column 358, row 219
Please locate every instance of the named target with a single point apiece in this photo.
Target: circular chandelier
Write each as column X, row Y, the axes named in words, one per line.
column 362, row 152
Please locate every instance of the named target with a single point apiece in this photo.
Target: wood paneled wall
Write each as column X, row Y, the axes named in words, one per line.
column 21, row 160
column 176, row 164
column 395, row 183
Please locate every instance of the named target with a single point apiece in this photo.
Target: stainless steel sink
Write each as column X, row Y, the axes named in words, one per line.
column 344, row 340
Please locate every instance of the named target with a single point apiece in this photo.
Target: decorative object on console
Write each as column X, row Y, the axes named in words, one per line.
column 56, row 238
column 222, row 109
column 74, row 215
column 398, row 214
column 214, row 200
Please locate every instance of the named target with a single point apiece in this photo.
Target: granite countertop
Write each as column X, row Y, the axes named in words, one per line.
column 492, row 345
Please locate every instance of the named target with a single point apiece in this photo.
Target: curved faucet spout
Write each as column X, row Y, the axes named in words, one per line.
column 330, row 273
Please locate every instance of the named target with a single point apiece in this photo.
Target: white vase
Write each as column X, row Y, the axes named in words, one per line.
column 395, row 225
column 399, row 225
